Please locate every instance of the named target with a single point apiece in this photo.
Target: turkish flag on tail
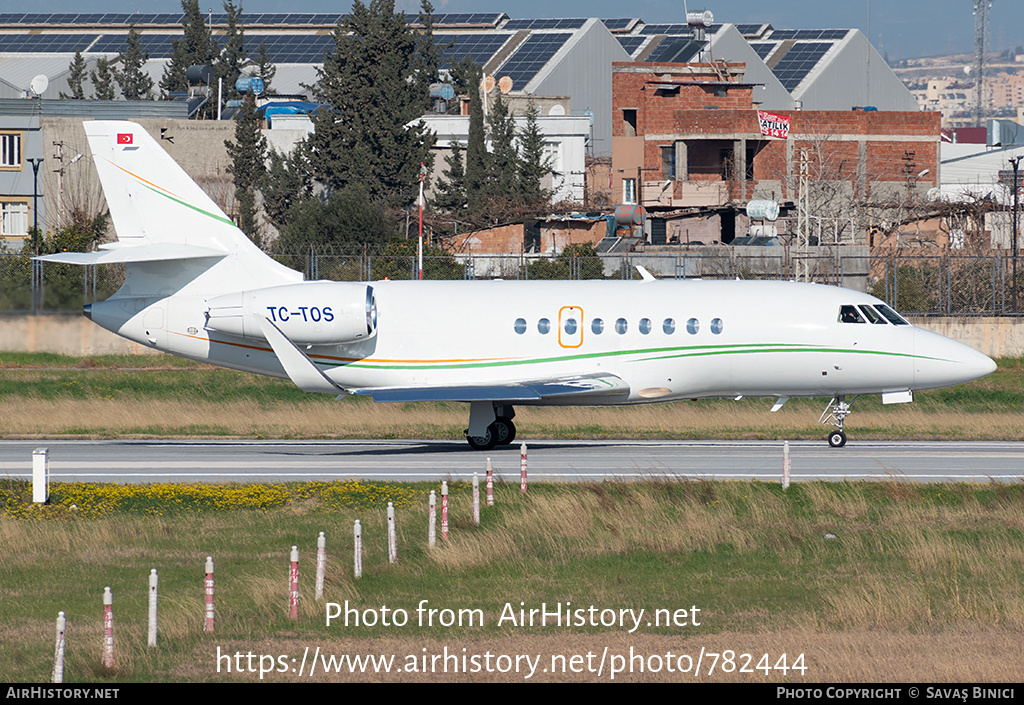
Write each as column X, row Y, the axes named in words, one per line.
column 124, row 138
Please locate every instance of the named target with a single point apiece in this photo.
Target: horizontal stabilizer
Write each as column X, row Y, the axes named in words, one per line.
column 135, row 253
column 302, row 371
column 565, row 387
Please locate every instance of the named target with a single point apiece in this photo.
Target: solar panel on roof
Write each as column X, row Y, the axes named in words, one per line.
column 480, row 47
column 675, row 50
column 531, row 56
column 763, row 49
column 671, row 29
column 45, row 43
column 798, row 62
column 631, row 43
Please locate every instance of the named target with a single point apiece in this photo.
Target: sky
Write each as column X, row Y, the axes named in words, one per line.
column 900, row 28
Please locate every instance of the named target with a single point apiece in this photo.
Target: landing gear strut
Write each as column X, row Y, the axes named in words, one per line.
column 835, row 413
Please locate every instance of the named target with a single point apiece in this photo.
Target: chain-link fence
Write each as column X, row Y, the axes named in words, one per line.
column 950, row 284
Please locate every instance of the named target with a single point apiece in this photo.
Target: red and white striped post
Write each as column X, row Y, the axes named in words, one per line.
column 490, row 484
column 392, row 535
column 785, row 465
column 208, row 585
column 357, row 534
column 293, row 584
column 432, row 520
column 151, row 640
column 444, row 510
column 321, row 564
column 476, row 499
column 522, row 468
column 108, row 628
column 58, row 653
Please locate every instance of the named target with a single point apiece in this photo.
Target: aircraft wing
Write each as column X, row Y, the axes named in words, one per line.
column 565, row 388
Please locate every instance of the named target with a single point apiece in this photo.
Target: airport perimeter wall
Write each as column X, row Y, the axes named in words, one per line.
column 74, row 334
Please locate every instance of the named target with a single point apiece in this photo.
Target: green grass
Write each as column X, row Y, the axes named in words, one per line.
column 842, row 559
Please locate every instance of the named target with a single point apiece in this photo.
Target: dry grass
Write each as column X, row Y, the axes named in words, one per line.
column 318, row 418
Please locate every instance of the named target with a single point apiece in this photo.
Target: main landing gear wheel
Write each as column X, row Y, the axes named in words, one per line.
column 837, row 439
column 484, row 442
column 505, row 431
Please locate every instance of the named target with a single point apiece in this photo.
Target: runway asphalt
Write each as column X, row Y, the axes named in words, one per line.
column 269, row 460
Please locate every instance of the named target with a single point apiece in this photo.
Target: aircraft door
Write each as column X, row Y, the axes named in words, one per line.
column 570, row 326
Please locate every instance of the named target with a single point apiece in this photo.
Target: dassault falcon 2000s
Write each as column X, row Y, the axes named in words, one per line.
column 197, row 287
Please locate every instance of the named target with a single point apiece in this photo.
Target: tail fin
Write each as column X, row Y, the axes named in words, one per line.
column 161, row 214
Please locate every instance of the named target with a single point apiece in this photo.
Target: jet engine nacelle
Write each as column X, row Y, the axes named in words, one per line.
column 310, row 313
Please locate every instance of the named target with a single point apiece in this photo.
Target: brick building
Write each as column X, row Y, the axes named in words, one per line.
column 689, row 136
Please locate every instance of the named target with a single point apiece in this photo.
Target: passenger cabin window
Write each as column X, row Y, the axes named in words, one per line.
column 520, row 326
column 621, row 326
column 570, row 326
column 849, row 314
column 872, row 315
column 597, row 325
column 669, row 326
column 716, row 325
column 692, row 326
column 543, row 326
column 645, row 325
column 893, row 317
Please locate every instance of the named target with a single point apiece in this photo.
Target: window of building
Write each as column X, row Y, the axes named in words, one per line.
column 668, row 163
column 10, row 150
column 629, row 117
column 629, row 190
column 14, row 219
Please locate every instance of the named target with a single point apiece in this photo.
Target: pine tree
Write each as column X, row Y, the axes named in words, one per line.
column 134, row 82
column 534, row 167
column 233, row 55
column 102, row 80
column 76, row 77
column 429, row 56
column 369, row 82
column 265, row 68
column 503, row 166
column 248, row 158
column 477, row 158
column 196, row 48
column 287, row 183
column 450, row 193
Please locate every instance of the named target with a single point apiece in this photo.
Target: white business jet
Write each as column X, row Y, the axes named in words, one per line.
column 197, row 287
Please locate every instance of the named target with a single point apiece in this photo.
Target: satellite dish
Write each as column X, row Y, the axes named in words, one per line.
column 557, row 109
column 39, row 84
column 504, row 84
column 488, row 84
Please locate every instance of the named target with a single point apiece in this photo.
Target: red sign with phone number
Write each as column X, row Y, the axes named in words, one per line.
column 773, row 125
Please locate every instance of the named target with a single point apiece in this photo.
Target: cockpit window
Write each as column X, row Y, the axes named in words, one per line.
column 872, row 315
column 893, row 317
column 849, row 314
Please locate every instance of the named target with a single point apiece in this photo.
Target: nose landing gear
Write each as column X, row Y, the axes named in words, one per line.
column 834, row 415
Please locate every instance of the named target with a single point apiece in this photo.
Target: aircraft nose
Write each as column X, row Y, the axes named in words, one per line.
column 943, row 362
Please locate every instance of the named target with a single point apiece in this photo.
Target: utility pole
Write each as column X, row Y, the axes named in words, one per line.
column 1015, row 163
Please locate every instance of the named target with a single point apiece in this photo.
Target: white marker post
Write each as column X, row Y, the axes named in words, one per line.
column 293, row 584
column 40, row 475
column 490, row 484
column 152, row 607
column 357, row 533
column 476, row 499
column 208, row 585
column 108, row 628
column 392, row 535
column 785, row 465
column 432, row 520
column 58, row 653
column 522, row 468
column 444, row 510
column 321, row 565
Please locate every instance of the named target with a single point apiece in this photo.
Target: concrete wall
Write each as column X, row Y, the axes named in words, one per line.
column 73, row 334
